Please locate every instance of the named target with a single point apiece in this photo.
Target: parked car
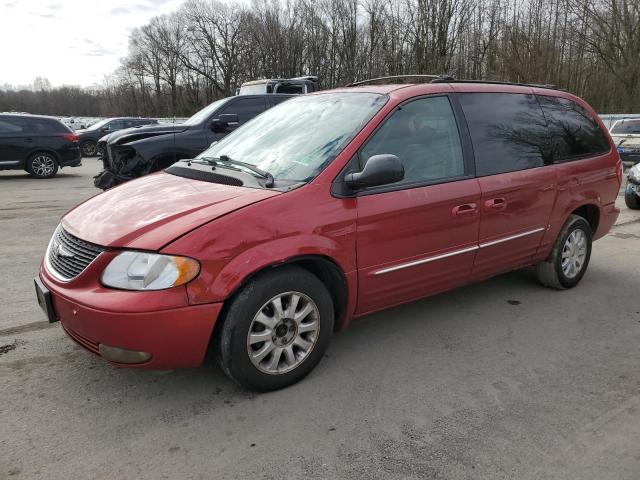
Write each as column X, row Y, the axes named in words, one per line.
column 134, row 153
column 632, row 192
column 89, row 137
column 40, row 145
column 626, row 135
column 298, row 85
column 328, row 207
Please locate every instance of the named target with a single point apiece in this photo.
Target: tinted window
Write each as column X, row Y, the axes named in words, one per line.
column 508, row 131
column 246, row 108
column 574, row 132
column 276, row 99
column 117, row 125
column 423, row 134
column 45, row 125
column 12, row 125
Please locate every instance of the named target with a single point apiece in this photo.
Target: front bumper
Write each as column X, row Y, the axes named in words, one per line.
column 175, row 338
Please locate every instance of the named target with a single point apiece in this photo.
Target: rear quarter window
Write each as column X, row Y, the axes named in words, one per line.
column 574, row 133
column 47, row 126
column 508, row 131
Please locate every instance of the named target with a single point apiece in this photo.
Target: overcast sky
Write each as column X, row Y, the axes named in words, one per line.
column 73, row 42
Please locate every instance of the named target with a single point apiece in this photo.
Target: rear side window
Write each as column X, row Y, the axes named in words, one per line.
column 508, row 131
column 574, row 132
column 246, row 108
column 10, row 125
column 423, row 134
column 47, row 126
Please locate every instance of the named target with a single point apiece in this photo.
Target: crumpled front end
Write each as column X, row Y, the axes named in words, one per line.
column 121, row 164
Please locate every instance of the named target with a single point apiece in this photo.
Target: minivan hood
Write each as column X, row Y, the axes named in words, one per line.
column 138, row 133
column 149, row 212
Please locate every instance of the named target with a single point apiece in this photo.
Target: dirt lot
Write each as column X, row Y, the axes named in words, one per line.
column 499, row 380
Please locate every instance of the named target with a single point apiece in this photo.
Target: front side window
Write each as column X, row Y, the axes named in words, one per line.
column 297, row 139
column 202, row 115
column 246, row 108
column 424, row 135
column 574, row 132
column 508, row 131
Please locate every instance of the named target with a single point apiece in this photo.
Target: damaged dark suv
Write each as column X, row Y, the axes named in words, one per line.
column 136, row 152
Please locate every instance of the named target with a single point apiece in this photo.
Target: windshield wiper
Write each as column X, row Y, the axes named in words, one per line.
column 224, row 161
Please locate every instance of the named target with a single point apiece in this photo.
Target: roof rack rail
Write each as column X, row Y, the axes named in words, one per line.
column 498, row 82
column 395, row 77
column 450, row 79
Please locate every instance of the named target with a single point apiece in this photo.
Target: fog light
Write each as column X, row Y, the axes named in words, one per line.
column 120, row 355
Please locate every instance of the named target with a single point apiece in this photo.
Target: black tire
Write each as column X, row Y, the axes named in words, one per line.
column 631, row 198
column 550, row 273
column 42, row 165
column 89, row 148
column 232, row 336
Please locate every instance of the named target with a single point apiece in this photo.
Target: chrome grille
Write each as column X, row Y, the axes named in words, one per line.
column 68, row 256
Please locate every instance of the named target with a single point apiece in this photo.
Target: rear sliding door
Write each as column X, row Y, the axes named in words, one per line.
column 511, row 148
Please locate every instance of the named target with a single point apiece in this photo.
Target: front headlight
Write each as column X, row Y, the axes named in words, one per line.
column 149, row 271
column 634, row 174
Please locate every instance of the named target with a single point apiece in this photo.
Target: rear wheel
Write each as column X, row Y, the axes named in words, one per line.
column 631, row 198
column 570, row 256
column 89, row 148
column 42, row 165
column 276, row 329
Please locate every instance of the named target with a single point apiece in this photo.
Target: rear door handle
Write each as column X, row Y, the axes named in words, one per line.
column 495, row 204
column 464, row 210
column 28, row 140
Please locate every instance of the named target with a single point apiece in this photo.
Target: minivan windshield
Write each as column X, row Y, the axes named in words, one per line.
column 202, row 115
column 626, row 127
column 295, row 140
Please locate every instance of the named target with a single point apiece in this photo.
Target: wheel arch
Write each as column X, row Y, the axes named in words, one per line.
column 51, row 151
column 323, row 267
column 590, row 212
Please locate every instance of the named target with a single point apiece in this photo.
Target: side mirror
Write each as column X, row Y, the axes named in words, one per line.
column 105, row 129
column 379, row 170
column 225, row 122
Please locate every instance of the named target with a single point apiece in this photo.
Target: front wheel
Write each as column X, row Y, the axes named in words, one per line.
column 276, row 329
column 42, row 165
column 632, row 198
column 570, row 256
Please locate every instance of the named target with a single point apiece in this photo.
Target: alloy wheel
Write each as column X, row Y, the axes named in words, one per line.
column 283, row 333
column 574, row 253
column 43, row 165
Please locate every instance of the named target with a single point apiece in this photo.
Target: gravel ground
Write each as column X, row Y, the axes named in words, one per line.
column 498, row 380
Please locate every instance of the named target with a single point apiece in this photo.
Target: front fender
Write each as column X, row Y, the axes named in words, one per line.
column 268, row 233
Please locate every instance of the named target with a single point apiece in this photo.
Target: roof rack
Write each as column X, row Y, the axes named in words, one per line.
column 450, row 79
column 394, row 77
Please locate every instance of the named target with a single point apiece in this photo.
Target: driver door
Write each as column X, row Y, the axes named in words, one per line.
column 418, row 236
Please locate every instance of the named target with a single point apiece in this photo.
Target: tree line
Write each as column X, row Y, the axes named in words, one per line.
column 179, row 62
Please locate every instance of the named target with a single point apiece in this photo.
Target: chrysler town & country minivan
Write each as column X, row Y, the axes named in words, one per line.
column 328, row 207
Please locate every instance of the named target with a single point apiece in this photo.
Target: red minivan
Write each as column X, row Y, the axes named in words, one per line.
column 328, row 207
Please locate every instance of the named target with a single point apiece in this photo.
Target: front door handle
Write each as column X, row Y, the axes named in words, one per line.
column 495, row 204
column 28, row 140
column 464, row 210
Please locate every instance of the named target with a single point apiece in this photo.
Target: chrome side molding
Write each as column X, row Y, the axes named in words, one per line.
column 456, row 252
